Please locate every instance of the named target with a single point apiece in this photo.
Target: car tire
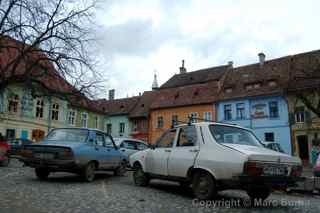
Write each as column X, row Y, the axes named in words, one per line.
column 257, row 193
column 204, row 186
column 42, row 173
column 122, row 169
column 140, row 178
column 88, row 173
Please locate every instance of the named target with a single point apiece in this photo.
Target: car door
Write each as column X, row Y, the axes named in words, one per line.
column 114, row 155
column 157, row 158
column 128, row 147
column 101, row 151
column 184, row 153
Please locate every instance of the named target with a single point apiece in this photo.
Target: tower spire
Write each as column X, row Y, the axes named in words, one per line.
column 155, row 85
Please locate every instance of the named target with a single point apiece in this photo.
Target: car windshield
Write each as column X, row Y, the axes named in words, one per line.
column 233, row 135
column 76, row 135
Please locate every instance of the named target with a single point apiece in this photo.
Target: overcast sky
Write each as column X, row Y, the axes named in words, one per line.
column 138, row 37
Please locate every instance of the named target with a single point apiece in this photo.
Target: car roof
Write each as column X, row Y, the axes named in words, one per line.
column 205, row 123
column 89, row 129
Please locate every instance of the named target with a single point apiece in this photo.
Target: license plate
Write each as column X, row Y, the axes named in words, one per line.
column 277, row 171
column 44, row 155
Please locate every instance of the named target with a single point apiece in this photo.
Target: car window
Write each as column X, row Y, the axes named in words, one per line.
column 141, row 146
column 187, row 136
column 167, row 139
column 129, row 145
column 100, row 139
column 108, row 141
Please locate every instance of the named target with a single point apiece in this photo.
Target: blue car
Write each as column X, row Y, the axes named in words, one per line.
column 77, row 150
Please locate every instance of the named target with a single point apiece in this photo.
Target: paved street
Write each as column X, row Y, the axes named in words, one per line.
column 21, row 191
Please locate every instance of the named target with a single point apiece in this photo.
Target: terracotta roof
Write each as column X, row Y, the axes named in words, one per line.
column 45, row 73
column 118, row 106
column 305, row 71
column 186, row 95
column 256, row 80
column 196, row 77
column 142, row 108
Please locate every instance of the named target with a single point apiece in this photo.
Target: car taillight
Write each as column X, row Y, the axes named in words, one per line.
column 296, row 171
column 252, row 169
column 26, row 153
column 65, row 154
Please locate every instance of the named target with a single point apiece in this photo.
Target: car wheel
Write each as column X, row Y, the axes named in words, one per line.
column 140, row 178
column 89, row 172
column 204, row 186
column 122, row 169
column 42, row 173
column 258, row 193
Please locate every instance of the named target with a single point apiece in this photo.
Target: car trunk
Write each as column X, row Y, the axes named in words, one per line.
column 256, row 153
column 47, row 151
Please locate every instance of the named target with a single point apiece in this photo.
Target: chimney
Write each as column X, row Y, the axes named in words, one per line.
column 230, row 64
column 262, row 58
column 111, row 94
column 182, row 68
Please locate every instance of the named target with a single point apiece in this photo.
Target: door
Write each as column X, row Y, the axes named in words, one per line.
column 113, row 153
column 303, row 148
column 11, row 133
column 24, row 134
column 101, row 151
column 184, row 153
column 157, row 158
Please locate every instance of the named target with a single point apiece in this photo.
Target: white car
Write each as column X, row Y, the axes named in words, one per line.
column 129, row 146
column 211, row 157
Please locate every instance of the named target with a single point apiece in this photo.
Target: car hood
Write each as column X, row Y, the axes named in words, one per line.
column 70, row 144
column 255, row 153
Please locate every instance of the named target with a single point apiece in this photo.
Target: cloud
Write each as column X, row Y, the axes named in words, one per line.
column 137, row 37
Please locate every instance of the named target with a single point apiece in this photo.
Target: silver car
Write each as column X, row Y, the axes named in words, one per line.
column 128, row 146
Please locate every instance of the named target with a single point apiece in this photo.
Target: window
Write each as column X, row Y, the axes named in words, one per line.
column 257, row 85
column 121, row 127
column 55, row 112
column 84, row 120
column 273, row 109
column 160, row 122
column 141, row 146
column 167, row 139
column 240, row 111
column 109, row 129
column 187, row 136
column 249, row 86
column 135, row 126
column 272, row 83
column 13, row 104
column 207, row 116
column 96, row 122
column 269, row 136
column 108, row 141
column 193, row 117
column 72, row 135
column 233, row 135
column 300, row 116
column 174, row 120
column 11, row 133
column 128, row 145
column 72, row 117
column 227, row 112
column 228, row 90
column 39, row 108
column 100, row 139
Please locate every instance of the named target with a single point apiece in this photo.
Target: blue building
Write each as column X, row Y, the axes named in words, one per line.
column 252, row 96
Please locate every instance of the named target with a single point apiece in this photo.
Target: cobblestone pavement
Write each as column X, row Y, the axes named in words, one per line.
column 21, row 191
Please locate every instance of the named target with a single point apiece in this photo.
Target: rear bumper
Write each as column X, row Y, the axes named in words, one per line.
column 52, row 165
column 272, row 181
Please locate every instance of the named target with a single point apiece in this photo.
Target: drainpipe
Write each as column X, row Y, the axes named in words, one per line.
column 50, row 113
column 250, row 117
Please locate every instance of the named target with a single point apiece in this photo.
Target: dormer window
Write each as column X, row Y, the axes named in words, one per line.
column 272, row 83
column 196, row 93
column 249, row 87
column 176, row 95
column 121, row 107
column 228, row 90
column 257, row 85
column 142, row 105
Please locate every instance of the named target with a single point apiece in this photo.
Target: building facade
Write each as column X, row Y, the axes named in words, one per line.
column 266, row 116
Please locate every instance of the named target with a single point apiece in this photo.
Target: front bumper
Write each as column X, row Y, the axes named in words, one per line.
column 53, row 165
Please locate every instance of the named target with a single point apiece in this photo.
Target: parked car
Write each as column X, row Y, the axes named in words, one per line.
column 273, row 146
column 77, row 150
column 211, row 157
column 316, row 168
column 4, row 152
column 17, row 145
column 128, row 146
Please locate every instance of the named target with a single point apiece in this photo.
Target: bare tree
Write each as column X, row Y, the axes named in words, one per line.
column 42, row 40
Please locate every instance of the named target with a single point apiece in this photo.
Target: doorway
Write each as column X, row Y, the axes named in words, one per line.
column 303, row 148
